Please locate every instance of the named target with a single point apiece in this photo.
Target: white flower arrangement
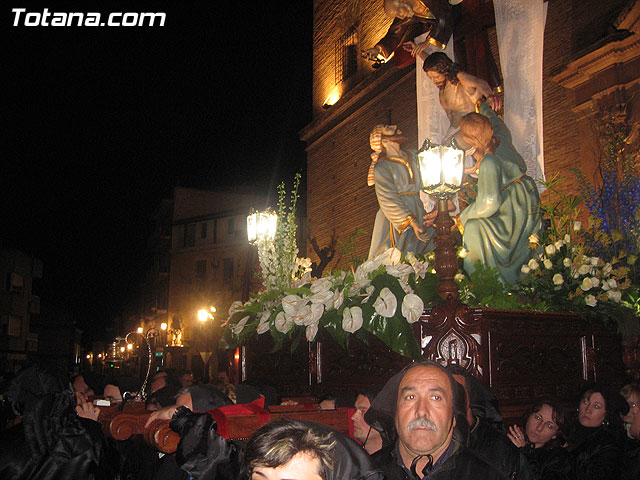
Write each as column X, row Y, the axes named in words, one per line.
column 571, row 279
column 382, row 296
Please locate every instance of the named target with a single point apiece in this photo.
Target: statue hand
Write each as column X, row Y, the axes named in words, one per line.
column 495, row 102
column 371, row 54
column 420, row 234
column 430, row 217
column 415, row 49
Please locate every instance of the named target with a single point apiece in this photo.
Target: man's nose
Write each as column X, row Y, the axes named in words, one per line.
column 422, row 408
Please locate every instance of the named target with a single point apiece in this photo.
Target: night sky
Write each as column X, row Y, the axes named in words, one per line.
column 102, row 122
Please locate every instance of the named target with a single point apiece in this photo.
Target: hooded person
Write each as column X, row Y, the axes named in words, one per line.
column 285, row 447
column 52, row 441
column 420, row 413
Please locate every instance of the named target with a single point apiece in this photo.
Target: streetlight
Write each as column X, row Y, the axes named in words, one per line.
column 203, row 315
column 163, row 326
column 261, row 226
column 441, row 169
column 140, row 329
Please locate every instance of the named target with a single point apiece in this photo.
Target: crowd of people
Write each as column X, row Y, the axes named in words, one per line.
column 426, row 422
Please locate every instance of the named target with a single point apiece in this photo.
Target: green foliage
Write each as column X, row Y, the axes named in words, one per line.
column 484, row 288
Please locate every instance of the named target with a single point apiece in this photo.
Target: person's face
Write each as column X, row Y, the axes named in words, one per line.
column 634, row 402
column 360, row 427
column 401, row 9
column 301, row 467
column 327, row 405
column 541, row 427
column 592, row 410
column 81, row 389
column 112, row 393
column 158, row 382
column 438, row 79
column 186, row 380
column 634, row 428
column 424, row 412
column 391, row 133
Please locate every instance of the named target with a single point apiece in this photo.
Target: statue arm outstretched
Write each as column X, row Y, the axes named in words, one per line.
column 489, row 186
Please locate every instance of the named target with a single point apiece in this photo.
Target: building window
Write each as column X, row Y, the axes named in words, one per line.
column 14, row 328
column 203, row 230
column 346, row 55
column 201, row 269
column 227, row 272
column 15, row 283
column 190, row 235
column 230, row 229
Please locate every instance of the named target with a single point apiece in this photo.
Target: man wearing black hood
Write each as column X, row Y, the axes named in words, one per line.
column 420, row 412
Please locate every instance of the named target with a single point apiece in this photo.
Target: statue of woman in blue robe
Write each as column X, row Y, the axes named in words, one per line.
column 506, row 210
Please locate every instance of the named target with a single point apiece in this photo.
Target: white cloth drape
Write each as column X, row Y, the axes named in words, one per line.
column 520, row 31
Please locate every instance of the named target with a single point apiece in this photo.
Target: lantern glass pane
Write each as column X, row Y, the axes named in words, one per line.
column 452, row 167
column 430, row 168
column 252, row 227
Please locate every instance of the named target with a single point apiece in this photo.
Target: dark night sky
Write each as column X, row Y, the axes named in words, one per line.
column 102, row 122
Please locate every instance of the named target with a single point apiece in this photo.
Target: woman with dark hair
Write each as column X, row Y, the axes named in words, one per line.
column 631, row 462
column 542, row 439
column 595, row 439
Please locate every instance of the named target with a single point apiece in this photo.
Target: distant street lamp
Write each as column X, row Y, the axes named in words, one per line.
column 261, row 226
column 441, row 169
column 203, row 315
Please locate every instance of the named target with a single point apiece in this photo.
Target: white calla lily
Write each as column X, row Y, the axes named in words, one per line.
column 237, row 329
column 352, row 319
column 386, row 303
column 292, row 303
column 283, row 322
column 311, row 332
column 412, row 307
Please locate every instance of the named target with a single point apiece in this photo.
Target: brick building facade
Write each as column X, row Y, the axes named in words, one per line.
column 599, row 39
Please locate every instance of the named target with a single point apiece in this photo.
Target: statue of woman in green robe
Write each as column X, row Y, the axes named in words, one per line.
column 497, row 225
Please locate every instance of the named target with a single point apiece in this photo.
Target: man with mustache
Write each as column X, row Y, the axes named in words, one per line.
column 420, row 412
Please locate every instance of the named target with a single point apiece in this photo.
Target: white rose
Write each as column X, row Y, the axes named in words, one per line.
column 577, row 226
column 594, row 261
column 558, row 244
column 352, row 319
column 412, row 307
column 240, row 325
column 612, row 283
column 534, row 238
column 292, row 303
column 550, row 249
column 464, row 252
column 595, row 282
column 566, row 262
column 590, row 300
column 557, row 279
column 386, row 303
column 458, row 277
column 548, row 264
column 586, row 284
column 525, row 269
column 533, row 264
column 584, row 269
column 615, row 295
column 567, row 239
column 311, row 332
column 283, row 322
column 606, row 270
